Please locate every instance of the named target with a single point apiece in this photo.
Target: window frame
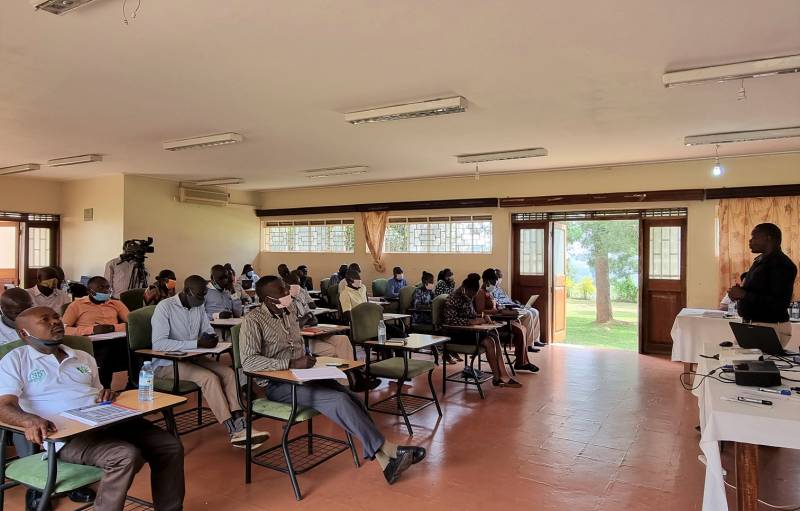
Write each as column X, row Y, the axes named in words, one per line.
column 327, row 223
column 452, row 221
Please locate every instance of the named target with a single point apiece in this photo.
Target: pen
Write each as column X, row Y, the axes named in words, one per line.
column 755, row 401
column 782, row 392
column 105, row 402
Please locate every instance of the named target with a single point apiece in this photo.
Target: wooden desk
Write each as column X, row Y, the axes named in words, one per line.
column 226, row 323
column 324, row 330
column 107, row 337
column 286, row 375
column 392, row 316
column 222, row 347
column 486, row 327
column 413, row 342
column 323, row 310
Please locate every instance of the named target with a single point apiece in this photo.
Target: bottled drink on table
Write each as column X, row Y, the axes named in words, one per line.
column 381, row 332
column 146, row 382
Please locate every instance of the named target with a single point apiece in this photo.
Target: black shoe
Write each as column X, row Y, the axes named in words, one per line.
column 397, row 466
column 475, row 374
column 82, row 495
column 539, row 344
column 364, row 384
column 417, row 453
column 527, row 367
column 32, row 498
column 531, row 349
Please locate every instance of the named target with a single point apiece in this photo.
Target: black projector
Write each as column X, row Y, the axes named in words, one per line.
column 756, row 373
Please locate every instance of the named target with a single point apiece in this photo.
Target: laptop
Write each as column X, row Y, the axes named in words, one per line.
column 531, row 301
column 759, row 337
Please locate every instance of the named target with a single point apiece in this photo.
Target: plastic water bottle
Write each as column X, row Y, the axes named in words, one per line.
column 146, row 382
column 795, row 310
column 732, row 309
column 381, row 332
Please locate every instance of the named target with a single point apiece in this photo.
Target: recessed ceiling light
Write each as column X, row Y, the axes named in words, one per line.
column 74, row 160
column 219, row 182
column 206, row 141
column 742, row 136
column 336, row 171
column 18, row 169
column 502, row 155
column 452, row 105
column 736, row 71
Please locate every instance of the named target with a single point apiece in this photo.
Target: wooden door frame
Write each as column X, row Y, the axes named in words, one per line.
column 542, row 305
column 55, row 247
column 552, row 279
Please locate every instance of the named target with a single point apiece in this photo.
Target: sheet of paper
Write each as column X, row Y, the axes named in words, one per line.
column 105, row 337
column 319, row 373
column 219, row 348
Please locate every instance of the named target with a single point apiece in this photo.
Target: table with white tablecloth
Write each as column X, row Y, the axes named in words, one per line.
column 691, row 329
column 744, row 423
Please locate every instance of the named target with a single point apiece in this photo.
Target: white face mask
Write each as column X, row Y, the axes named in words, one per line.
column 499, row 281
column 399, row 277
column 284, row 301
column 429, row 287
column 357, row 284
column 294, row 290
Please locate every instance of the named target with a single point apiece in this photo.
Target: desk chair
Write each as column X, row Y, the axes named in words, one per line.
column 379, row 287
column 51, row 476
column 289, row 414
column 140, row 337
column 332, row 293
column 133, row 298
column 470, row 351
column 404, row 307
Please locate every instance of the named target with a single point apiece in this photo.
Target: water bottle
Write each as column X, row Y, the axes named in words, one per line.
column 381, row 332
column 796, row 310
column 732, row 309
column 146, row 382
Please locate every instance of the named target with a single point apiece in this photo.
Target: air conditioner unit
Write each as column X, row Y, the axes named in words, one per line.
column 203, row 196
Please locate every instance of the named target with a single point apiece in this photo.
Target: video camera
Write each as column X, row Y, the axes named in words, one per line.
column 137, row 250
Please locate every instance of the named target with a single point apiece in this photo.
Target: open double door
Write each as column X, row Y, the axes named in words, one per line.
column 540, row 267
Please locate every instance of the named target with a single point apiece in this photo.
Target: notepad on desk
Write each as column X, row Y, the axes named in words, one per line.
column 219, row 348
column 319, row 373
column 100, row 414
column 395, row 342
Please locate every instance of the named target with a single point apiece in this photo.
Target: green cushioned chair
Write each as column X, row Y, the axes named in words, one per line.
column 393, row 368
column 364, row 319
column 32, row 471
column 140, row 334
column 332, row 293
column 471, row 351
column 404, row 299
column 379, row 287
column 133, row 298
column 275, row 410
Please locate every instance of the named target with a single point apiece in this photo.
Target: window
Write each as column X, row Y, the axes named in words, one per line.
column 531, row 252
column 431, row 235
column 665, row 252
column 309, row 236
column 38, row 247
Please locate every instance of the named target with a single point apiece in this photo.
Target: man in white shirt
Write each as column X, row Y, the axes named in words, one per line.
column 12, row 302
column 180, row 323
column 44, row 378
column 529, row 318
column 46, row 292
column 352, row 293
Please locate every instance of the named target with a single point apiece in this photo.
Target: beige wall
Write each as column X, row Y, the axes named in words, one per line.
column 189, row 238
column 701, row 265
column 87, row 246
column 27, row 195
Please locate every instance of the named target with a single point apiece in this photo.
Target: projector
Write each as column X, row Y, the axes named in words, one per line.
column 59, row 6
column 756, row 373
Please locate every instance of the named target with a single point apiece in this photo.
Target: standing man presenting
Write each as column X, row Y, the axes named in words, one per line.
column 763, row 299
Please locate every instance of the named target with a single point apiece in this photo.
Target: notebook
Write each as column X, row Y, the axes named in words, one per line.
column 100, row 414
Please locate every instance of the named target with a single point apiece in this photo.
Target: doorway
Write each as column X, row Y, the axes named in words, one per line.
column 27, row 242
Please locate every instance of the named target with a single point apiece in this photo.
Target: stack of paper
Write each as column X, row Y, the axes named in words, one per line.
column 318, row 373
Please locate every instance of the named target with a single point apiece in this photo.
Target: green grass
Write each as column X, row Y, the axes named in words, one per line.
column 582, row 329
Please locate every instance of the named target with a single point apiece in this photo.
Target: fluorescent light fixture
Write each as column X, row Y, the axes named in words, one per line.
column 336, row 171
column 18, row 169
column 206, row 141
column 502, row 155
column 219, row 182
column 452, row 105
column 735, row 71
column 742, row 136
column 59, row 6
column 74, row 160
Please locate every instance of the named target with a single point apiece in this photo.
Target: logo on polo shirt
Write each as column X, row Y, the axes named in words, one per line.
column 83, row 370
column 36, row 376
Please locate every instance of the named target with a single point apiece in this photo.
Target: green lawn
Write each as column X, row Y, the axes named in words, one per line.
column 582, row 330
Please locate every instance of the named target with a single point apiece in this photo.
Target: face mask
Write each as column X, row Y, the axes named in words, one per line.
column 170, row 284
column 284, row 301
column 450, row 279
column 490, row 288
column 216, row 286
column 49, row 283
column 499, row 281
column 429, row 287
column 399, row 277
column 294, row 290
column 356, row 284
column 250, row 274
column 101, row 297
column 40, row 343
column 195, row 301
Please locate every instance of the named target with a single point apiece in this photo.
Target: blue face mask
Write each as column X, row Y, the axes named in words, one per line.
column 490, row 288
column 102, row 297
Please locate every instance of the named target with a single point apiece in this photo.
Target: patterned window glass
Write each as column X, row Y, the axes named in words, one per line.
column 531, row 251
column 467, row 235
column 665, row 253
column 309, row 236
column 39, row 247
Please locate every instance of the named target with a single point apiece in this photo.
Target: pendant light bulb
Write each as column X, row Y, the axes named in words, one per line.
column 718, row 169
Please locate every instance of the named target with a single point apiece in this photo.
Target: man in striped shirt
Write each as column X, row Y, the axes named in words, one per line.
column 270, row 340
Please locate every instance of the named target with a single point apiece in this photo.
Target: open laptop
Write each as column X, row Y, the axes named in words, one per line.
column 759, row 337
column 531, row 301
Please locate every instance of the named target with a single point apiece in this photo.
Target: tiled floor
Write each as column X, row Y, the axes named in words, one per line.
column 596, row 430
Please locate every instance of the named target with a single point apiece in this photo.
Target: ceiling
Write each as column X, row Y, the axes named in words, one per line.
column 582, row 79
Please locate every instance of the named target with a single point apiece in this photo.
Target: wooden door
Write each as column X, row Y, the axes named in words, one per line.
column 41, row 248
column 9, row 253
column 663, row 292
column 559, row 280
column 532, row 268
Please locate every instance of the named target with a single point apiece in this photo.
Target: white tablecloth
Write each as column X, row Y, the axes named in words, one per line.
column 691, row 329
column 775, row 425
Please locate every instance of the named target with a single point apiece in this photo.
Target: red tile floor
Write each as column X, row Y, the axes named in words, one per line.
column 595, row 430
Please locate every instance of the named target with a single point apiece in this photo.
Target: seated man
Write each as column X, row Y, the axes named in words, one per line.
column 12, row 302
column 161, row 289
column 337, row 277
column 352, row 293
column 270, row 340
column 305, row 281
column 181, row 323
column 395, row 284
column 46, row 292
column 343, row 282
column 66, row 379
column 222, row 302
column 98, row 313
column 529, row 319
